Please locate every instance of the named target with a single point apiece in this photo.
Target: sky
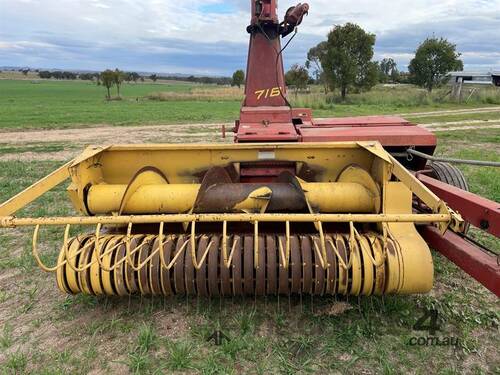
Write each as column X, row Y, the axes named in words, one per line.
column 209, row 37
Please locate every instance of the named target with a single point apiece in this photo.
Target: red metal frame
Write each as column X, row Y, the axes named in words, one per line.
column 480, row 265
column 266, row 115
column 478, row 211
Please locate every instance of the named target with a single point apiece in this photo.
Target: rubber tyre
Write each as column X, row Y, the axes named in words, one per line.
column 450, row 175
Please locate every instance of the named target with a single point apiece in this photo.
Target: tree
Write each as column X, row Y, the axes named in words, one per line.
column 87, row 76
column 119, row 76
column 132, row 76
column 314, row 58
column 68, row 75
column 298, row 77
column 238, row 78
column 433, row 60
column 347, row 62
column 45, row 74
column 388, row 70
column 108, row 80
column 153, row 77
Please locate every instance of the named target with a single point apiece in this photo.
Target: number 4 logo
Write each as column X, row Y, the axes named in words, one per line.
column 432, row 327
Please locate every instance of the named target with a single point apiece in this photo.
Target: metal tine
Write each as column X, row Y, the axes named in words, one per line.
column 256, row 245
column 318, row 253
column 129, row 254
column 224, row 243
column 337, row 254
column 366, row 252
column 95, row 242
column 323, row 244
column 230, row 260
column 65, row 246
column 288, row 249
column 193, row 242
column 174, row 259
column 37, row 256
column 285, row 254
column 197, row 264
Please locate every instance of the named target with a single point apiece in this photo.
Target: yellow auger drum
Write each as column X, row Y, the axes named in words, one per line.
column 243, row 219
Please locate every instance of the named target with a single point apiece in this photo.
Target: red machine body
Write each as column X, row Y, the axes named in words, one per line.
column 267, row 116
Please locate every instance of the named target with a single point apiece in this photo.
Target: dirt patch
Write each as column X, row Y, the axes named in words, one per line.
column 112, row 134
column 452, row 112
column 335, row 309
column 464, row 122
column 173, row 325
column 497, row 126
column 40, row 156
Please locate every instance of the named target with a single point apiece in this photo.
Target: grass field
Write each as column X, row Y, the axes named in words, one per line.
column 45, row 104
column 45, row 332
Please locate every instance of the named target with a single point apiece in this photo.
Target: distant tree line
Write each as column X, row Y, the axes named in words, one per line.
column 223, row 81
column 45, row 74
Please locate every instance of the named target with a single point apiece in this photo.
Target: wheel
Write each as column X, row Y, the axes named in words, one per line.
column 450, row 175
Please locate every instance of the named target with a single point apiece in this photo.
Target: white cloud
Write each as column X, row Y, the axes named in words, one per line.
column 170, row 27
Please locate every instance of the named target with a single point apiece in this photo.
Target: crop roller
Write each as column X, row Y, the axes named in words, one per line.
column 296, row 205
column 247, row 219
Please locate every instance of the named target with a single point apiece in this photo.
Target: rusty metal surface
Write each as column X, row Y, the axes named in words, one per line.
column 272, row 266
column 166, row 273
column 307, row 265
column 154, row 274
column 180, row 288
column 260, row 272
column 225, row 273
column 296, row 266
column 237, row 269
column 330, row 271
column 319, row 272
column 248, row 267
column 201, row 274
column 213, row 267
column 144, row 272
column 189, row 273
column 222, row 198
column 131, row 275
column 119, row 273
column 283, row 273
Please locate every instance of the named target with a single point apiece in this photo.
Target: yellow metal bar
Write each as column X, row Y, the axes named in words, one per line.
column 428, row 197
column 340, row 197
column 240, row 146
column 12, row 222
column 35, row 191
